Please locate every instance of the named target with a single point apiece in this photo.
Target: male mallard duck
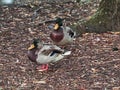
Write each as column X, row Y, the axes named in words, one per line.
column 62, row 34
column 45, row 54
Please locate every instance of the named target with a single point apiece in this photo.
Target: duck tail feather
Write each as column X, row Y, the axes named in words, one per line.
column 67, row 53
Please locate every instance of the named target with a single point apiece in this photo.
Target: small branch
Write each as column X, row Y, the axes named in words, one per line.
column 47, row 21
column 53, row 20
column 115, row 60
column 35, row 14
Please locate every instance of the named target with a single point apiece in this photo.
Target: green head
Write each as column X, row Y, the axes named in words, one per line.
column 59, row 22
column 34, row 44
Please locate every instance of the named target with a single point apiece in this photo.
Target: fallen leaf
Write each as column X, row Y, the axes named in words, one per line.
column 39, row 82
column 116, row 88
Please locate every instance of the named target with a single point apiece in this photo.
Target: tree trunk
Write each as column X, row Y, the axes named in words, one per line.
column 107, row 17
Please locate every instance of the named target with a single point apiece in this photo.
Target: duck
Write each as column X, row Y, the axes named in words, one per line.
column 62, row 34
column 43, row 54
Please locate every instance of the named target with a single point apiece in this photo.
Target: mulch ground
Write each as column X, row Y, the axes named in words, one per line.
column 93, row 64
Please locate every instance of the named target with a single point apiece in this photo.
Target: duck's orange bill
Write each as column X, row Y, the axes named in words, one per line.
column 31, row 47
column 56, row 26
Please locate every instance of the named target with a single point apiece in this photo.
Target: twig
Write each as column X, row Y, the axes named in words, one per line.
column 115, row 60
column 53, row 20
column 47, row 21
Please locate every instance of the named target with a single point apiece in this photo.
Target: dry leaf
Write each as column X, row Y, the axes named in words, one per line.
column 39, row 82
column 31, row 32
column 116, row 88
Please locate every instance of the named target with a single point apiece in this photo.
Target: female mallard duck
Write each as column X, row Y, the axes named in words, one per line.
column 45, row 54
column 62, row 34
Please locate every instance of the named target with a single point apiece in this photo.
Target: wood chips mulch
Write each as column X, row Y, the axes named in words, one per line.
column 93, row 64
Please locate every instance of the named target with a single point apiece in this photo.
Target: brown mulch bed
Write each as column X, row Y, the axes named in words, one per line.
column 93, row 64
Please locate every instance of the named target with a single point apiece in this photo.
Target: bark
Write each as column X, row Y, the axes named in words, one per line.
column 107, row 17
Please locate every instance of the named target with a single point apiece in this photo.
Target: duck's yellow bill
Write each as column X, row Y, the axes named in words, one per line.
column 56, row 27
column 31, row 47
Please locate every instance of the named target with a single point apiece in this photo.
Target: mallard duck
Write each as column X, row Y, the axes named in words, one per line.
column 45, row 54
column 62, row 34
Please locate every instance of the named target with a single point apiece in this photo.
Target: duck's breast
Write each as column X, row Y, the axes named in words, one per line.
column 66, row 39
column 57, row 36
column 32, row 55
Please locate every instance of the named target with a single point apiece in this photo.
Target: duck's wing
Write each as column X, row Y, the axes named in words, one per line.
column 50, row 50
column 69, row 31
column 51, row 54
